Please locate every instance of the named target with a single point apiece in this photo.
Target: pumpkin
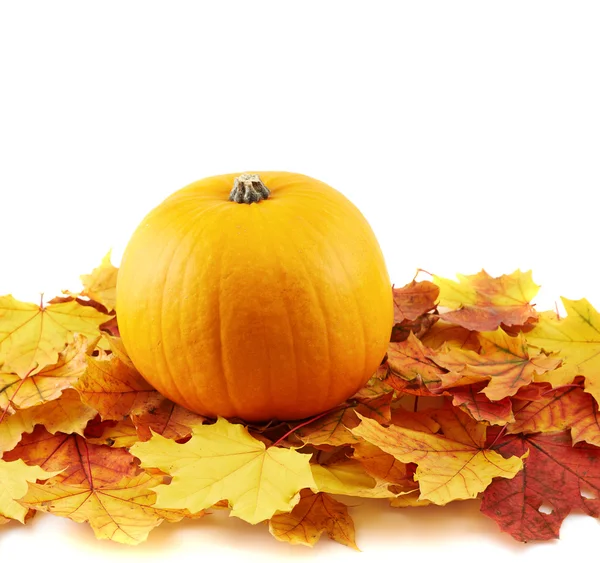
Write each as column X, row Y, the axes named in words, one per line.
column 255, row 296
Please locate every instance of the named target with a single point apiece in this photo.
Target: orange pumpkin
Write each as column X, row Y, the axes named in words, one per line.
column 263, row 296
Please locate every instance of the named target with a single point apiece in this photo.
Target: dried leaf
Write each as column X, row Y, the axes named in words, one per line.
column 447, row 469
column 484, row 303
column 65, row 414
column 314, row 514
column 101, row 284
column 409, row 361
column 114, row 389
column 575, row 339
column 561, row 409
column 14, row 476
column 505, row 361
column 122, row 511
column 413, row 300
column 32, row 336
column 554, row 474
column 222, row 461
column 46, row 384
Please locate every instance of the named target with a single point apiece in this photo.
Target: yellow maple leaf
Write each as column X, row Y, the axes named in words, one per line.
column 31, row 336
column 482, row 302
column 223, row 461
column 575, row 339
column 101, row 284
column 120, row 511
column 314, row 514
column 447, row 469
column 14, row 476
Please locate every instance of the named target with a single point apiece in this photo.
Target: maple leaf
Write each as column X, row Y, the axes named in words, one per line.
column 484, row 303
column 96, row 484
column 114, row 389
column 46, row 384
column 413, row 300
column 314, row 514
column 412, row 304
column 14, row 476
column 410, row 366
column 560, row 409
column 505, row 361
column 65, row 414
column 450, row 467
column 121, row 511
column 576, row 339
column 554, row 474
column 101, row 284
column 223, row 461
column 31, row 336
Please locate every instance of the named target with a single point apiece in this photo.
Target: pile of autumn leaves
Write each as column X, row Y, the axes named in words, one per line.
column 480, row 396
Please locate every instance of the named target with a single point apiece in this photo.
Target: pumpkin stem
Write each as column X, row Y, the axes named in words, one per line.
column 248, row 188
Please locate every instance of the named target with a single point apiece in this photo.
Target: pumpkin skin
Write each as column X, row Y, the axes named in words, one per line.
column 277, row 309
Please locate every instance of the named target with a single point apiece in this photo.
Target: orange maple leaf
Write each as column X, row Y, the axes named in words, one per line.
column 454, row 466
column 505, row 361
column 314, row 514
column 114, row 389
column 563, row 408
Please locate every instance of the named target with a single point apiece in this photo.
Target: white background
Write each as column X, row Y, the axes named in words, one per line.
column 468, row 133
